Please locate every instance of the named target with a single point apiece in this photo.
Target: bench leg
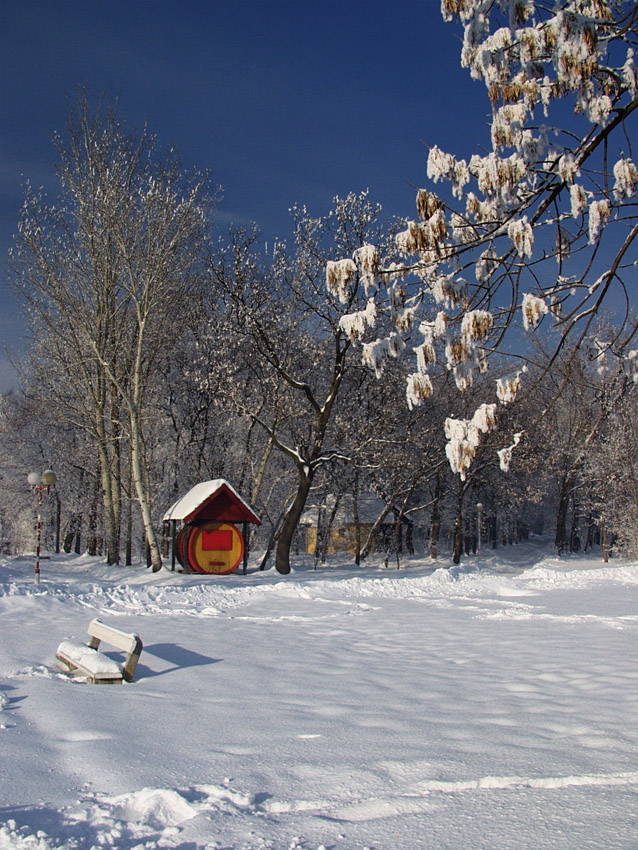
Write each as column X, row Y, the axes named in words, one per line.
column 131, row 661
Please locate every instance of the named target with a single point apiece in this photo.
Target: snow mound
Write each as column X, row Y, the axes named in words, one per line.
column 156, row 807
column 13, row 837
column 543, row 577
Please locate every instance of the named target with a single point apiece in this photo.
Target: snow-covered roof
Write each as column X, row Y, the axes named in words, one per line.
column 212, row 500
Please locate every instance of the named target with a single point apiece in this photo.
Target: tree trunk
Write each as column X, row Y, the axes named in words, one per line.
column 291, row 521
column 318, row 533
column 589, row 539
column 574, row 537
column 58, row 510
column 92, row 541
column 112, row 540
column 367, row 546
column 78, row 535
column 357, row 524
column 560, row 539
column 327, row 532
column 259, row 478
column 458, row 529
column 115, row 465
column 436, row 518
column 129, row 522
column 398, row 539
column 269, row 547
column 143, row 497
column 603, row 529
column 409, row 536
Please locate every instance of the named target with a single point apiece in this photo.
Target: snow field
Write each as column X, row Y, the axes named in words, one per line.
column 492, row 706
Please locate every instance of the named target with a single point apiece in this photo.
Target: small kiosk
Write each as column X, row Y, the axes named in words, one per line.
column 209, row 542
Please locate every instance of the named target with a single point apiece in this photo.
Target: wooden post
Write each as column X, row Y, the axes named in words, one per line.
column 246, row 544
column 173, row 524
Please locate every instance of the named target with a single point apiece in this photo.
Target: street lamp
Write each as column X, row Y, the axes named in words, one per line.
column 40, row 483
column 479, row 511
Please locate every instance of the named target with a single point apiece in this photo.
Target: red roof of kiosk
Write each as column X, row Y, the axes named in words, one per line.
column 215, row 501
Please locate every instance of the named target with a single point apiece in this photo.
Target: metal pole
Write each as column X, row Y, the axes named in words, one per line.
column 38, row 535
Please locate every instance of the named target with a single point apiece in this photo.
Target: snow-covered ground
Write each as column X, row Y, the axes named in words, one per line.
column 489, row 706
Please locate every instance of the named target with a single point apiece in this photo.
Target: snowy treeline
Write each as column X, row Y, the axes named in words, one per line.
column 256, row 382
column 164, row 354
column 542, row 227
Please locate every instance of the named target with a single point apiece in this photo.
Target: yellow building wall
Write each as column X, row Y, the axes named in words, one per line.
column 342, row 539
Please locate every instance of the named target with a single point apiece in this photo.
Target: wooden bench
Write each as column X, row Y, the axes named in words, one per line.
column 95, row 665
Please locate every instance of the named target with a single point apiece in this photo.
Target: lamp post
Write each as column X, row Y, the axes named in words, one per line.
column 479, row 511
column 40, row 483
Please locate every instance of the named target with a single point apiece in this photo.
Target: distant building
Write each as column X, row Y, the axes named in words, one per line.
column 335, row 527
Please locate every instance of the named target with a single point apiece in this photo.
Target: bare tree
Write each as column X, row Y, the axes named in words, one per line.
column 611, row 474
column 297, row 351
column 104, row 269
column 545, row 222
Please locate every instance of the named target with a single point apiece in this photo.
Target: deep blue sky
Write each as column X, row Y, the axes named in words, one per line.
column 286, row 102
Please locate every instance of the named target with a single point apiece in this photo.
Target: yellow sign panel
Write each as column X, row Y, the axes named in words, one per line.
column 215, row 547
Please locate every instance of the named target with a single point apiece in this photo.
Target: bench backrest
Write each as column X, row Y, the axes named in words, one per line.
column 127, row 641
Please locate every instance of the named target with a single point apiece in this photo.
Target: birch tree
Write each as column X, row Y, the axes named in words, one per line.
column 104, row 269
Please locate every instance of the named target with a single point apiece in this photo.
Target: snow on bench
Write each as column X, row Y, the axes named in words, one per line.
column 97, row 667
